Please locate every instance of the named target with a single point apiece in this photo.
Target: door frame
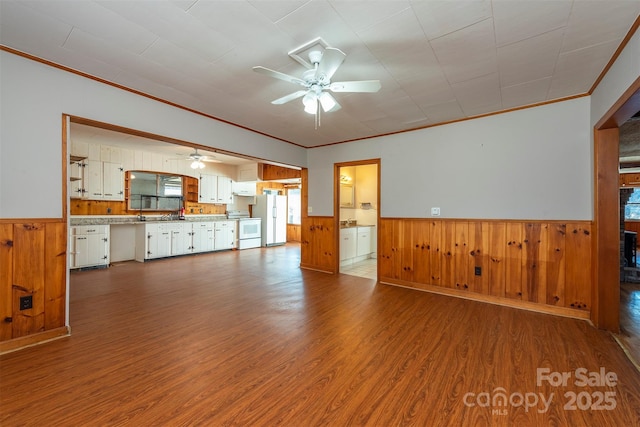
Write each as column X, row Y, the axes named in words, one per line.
column 605, row 306
column 336, row 206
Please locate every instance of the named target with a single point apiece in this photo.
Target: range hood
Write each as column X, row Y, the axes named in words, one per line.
column 244, row 188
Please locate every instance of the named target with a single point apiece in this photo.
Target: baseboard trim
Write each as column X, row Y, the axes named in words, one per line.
column 522, row 305
column 33, row 339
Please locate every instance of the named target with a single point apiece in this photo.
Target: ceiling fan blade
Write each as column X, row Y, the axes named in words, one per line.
column 278, row 75
column 332, row 58
column 289, row 97
column 210, row 160
column 356, row 86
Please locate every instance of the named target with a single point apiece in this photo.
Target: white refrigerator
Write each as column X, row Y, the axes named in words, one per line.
column 273, row 211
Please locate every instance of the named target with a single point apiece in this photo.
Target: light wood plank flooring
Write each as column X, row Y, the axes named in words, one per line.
column 246, row 338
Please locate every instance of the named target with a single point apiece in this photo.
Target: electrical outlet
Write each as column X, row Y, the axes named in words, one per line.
column 478, row 271
column 435, row 211
column 26, row 302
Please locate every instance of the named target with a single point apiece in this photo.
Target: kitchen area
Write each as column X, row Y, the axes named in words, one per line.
column 135, row 199
column 359, row 207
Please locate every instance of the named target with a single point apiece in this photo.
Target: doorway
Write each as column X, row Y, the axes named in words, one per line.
column 358, row 208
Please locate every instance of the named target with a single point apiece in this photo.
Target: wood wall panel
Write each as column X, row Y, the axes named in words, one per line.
column 478, row 251
column 55, row 289
column 545, row 263
column 435, row 258
column 318, row 244
column 513, row 261
column 554, row 258
column 110, row 207
column 461, row 255
column 28, row 278
column 497, row 266
column 447, row 239
column 6, row 275
column 273, row 172
column 578, row 266
column 33, row 262
column 404, row 243
column 534, row 271
column 421, row 252
column 294, row 233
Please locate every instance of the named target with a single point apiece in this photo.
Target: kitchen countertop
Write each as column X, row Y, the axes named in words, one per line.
column 133, row 219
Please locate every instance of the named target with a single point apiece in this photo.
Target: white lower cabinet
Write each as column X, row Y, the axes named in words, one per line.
column 348, row 242
column 202, row 237
column 152, row 241
column 363, row 247
column 224, row 235
column 164, row 239
column 356, row 244
column 88, row 246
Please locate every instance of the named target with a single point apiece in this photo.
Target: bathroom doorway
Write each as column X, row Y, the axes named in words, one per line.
column 358, row 207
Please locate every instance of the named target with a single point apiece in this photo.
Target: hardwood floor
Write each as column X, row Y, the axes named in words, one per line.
column 629, row 335
column 246, row 338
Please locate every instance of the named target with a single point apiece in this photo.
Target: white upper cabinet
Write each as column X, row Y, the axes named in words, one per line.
column 93, row 177
column 112, row 181
column 224, row 190
column 215, row 189
column 208, row 189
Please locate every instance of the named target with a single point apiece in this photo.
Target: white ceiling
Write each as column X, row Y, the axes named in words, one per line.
column 438, row 61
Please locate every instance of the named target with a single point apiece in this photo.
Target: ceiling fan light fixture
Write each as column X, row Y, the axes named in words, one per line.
column 310, row 102
column 327, row 101
column 197, row 164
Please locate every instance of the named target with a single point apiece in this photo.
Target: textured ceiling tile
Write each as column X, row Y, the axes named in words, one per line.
column 445, row 112
column 170, row 23
column 519, row 20
column 377, row 11
column 468, row 53
column 577, row 70
column 200, row 54
column 595, row 22
column 530, row 59
column 439, row 18
column 317, row 19
column 528, row 93
column 238, row 21
column 478, row 96
column 93, row 18
column 275, row 10
column 44, row 31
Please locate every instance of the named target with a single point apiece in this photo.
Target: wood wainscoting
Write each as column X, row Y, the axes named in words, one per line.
column 318, row 244
column 539, row 265
column 33, row 263
column 294, row 233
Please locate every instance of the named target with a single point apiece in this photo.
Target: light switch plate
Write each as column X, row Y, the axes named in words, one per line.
column 435, row 211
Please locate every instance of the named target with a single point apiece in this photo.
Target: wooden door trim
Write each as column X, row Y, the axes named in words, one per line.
column 606, row 289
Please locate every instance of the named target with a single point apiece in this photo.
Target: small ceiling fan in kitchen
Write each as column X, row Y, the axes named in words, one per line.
column 197, row 160
column 316, row 82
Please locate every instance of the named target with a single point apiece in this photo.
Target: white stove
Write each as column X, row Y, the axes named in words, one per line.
column 249, row 229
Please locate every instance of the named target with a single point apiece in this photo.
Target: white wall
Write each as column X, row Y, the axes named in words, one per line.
column 34, row 96
column 620, row 77
column 528, row 164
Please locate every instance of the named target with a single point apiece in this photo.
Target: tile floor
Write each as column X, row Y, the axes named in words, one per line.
column 367, row 268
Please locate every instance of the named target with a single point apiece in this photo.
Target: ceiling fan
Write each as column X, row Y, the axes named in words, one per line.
column 317, row 82
column 197, row 159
